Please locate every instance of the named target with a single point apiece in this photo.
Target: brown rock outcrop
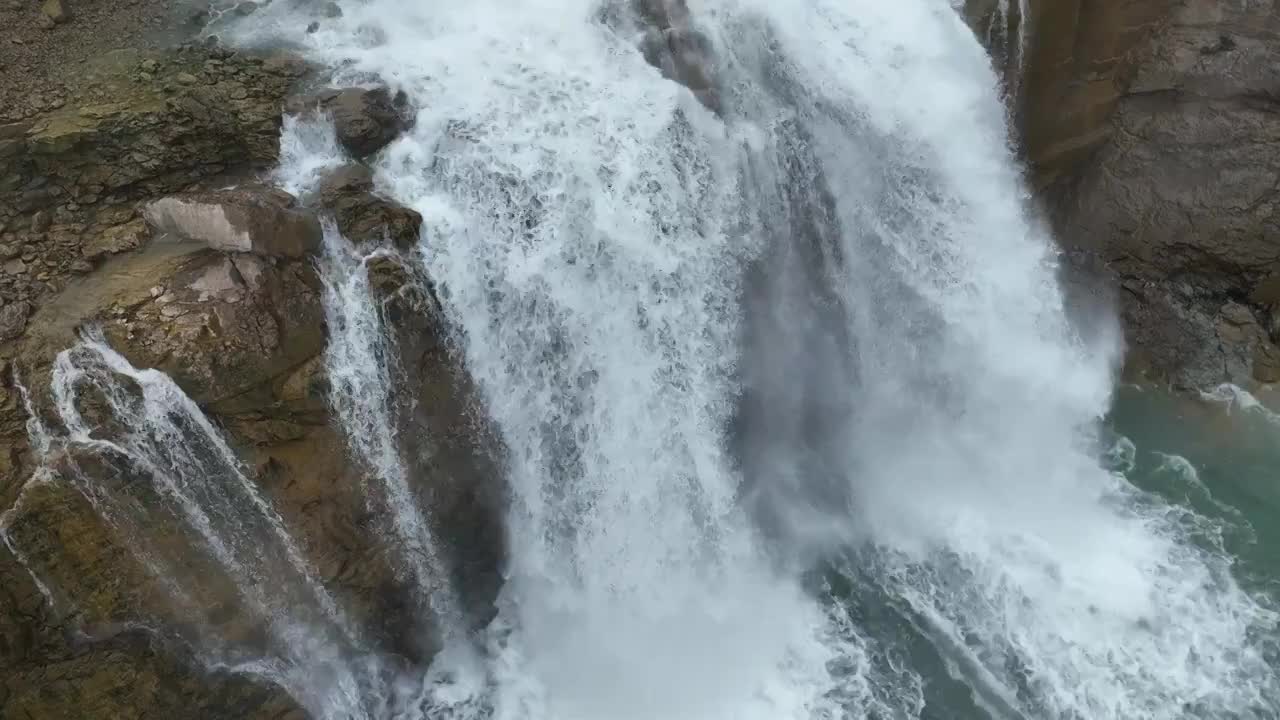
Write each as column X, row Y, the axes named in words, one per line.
column 220, row 324
column 454, row 446
column 243, row 335
column 365, row 120
column 1153, row 127
column 243, row 220
column 361, row 215
column 55, row 10
column 128, row 675
column 128, row 131
column 678, row 49
column 1080, row 61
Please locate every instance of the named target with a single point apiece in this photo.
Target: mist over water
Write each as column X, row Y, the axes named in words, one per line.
column 795, row 422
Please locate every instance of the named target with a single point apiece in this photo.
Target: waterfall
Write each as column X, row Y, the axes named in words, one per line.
column 1011, row 24
column 1005, row 28
column 146, row 458
column 362, row 388
column 907, row 403
column 795, row 422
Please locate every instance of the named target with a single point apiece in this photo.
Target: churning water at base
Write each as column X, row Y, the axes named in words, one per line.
column 795, row 423
column 910, row 412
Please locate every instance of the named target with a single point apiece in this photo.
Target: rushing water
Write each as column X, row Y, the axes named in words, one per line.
column 795, row 422
column 361, row 387
column 161, row 475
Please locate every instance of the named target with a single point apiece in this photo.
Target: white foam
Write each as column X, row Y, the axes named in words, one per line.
column 309, row 150
column 362, row 378
column 1234, row 397
column 151, row 462
column 587, row 226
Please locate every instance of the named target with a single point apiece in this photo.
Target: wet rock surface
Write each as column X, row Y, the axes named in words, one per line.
column 363, row 216
column 1152, row 128
column 365, row 120
column 71, row 179
column 678, row 49
column 88, row 239
column 454, row 445
column 244, row 336
column 1081, row 59
column 133, row 676
column 74, row 644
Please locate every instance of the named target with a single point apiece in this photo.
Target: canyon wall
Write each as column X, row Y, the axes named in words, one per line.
column 1150, row 127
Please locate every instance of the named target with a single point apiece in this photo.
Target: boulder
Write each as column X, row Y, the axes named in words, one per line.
column 41, row 221
column 682, row 54
column 224, row 326
column 55, row 10
column 365, row 120
column 115, row 239
column 680, row 51
column 361, row 215
column 13, row 319
column 245, row 220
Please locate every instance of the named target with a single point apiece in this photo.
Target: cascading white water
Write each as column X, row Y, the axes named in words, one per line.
column 149, row 459
column 588, row 224
column 359, row 369
column 588, row 227
column 1011, row 23
column 775, row 382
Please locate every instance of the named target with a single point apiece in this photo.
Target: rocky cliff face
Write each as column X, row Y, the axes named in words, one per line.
column 1080, row 59
column 88, row 190
column 136, row 127
column 1151, row 128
